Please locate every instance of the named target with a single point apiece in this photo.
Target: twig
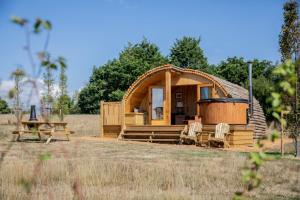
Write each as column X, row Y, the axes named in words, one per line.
column 28, row 49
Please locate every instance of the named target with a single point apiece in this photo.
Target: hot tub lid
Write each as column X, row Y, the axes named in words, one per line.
column 223, row 100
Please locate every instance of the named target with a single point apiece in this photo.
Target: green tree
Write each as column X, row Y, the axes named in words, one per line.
column 89, row 98
column 187, row 53
column 289, row 38
column 110, row 81
column 64, row 101
column 289, row 42
column 235, row 70
column 18, row 76
column 49, row 83
column 74, row 109
column 62, row 105
column 4, row 109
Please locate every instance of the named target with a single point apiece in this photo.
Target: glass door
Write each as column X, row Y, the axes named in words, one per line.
column 157, row 105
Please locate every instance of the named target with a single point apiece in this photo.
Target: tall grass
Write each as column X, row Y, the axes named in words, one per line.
column 99, row 169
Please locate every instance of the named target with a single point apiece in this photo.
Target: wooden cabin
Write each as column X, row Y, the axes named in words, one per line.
column 165, row 98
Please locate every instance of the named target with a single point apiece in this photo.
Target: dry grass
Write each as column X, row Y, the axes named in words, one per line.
column 108, row 169
column 83, row 125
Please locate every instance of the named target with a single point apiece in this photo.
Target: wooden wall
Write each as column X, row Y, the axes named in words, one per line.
column 189, row 99
column 241, row 135
column 111, row 118
column 229, row 112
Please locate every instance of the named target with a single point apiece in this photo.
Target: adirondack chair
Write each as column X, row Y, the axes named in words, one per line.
column 191, row 132
column 221, row 135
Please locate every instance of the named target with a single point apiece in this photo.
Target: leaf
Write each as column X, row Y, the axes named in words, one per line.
column 276, row 102
column 37, row 25
column 53, row 66
column 47, row 25
column 62, row 62
column 276, row 115
column 255, row 158
column 45, row 63
column 246, row 176
column 18, row 20
column 44, row 157
column 26, row 185
column 12, row 93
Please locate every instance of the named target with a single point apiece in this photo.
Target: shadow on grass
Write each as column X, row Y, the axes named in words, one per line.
column 36, row 140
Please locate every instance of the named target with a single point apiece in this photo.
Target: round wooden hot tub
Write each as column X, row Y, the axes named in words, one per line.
column 226, row 110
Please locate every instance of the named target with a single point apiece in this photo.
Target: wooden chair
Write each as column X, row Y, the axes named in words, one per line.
column 220, row 136
column 190, row 132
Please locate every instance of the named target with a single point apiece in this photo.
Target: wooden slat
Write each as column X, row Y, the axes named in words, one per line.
column 149, row 134
column 154, row 140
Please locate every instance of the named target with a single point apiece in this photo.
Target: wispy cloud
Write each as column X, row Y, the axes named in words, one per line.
column 29, row 94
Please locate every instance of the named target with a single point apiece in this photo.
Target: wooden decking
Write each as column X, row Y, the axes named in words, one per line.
column 241, row 135
column 148, row 133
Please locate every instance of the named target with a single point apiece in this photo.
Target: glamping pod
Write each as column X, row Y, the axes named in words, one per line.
column 165, row 98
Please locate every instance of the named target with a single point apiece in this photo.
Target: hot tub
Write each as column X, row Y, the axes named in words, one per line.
column 226, row 110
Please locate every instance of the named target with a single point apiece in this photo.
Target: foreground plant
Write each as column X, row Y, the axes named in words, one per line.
column 284, row 90
column 40, row 62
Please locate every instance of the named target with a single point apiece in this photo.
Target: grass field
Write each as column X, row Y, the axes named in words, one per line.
column 90, row 168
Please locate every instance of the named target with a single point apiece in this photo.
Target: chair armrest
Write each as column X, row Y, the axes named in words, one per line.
column 205, row 132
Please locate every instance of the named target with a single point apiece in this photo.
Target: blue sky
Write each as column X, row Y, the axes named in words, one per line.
column 89, row 33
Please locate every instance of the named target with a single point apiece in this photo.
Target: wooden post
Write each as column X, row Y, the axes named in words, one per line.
column 168, row 97
column 101, row 118
column 198, row 99
column 282, row 132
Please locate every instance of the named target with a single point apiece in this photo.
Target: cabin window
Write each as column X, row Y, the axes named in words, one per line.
column 205, row 92
column 157, row 103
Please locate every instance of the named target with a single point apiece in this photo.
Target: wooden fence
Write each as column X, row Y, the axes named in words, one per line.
column 111, row 118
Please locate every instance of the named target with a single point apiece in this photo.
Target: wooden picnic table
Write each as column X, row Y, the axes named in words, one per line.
column 43, row 127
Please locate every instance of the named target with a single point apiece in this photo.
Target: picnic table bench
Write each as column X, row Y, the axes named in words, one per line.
column 42, row 127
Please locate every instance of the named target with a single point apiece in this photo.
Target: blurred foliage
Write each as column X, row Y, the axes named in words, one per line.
column 18, row 77
column 4, row 109
column 42, row 63
column 289, row 38
column 286, row 79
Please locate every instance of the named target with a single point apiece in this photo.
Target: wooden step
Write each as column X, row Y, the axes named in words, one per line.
column 146, row 128
column 153, row 140
column 150, row 134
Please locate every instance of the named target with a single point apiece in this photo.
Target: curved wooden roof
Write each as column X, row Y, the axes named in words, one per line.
column 228, row 88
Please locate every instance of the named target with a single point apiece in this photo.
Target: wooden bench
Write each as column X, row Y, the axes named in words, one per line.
column 35, row 127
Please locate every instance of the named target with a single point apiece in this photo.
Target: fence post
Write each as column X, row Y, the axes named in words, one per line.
column 101, row 118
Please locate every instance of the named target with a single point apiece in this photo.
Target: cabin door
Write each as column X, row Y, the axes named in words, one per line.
column 156, row 105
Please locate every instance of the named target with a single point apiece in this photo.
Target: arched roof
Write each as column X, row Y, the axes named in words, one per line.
column 149, row 73
column 228, row 88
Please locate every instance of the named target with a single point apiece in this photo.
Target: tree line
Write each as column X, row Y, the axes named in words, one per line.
column 109, row 81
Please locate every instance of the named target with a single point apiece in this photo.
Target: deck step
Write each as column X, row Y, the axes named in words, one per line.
column 146, row 128
column 153, row 140
column 150, row 134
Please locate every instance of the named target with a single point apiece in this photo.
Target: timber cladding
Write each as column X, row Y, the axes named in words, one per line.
column 217, row 112
column 187, row 82
column 240, row 135
column 111, row 118
column 258, row 119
